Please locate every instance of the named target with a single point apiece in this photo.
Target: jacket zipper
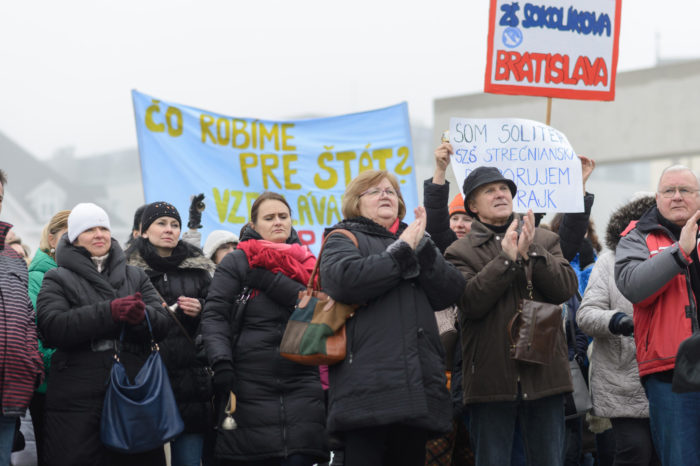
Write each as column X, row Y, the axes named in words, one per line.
column 692, row 303
column 284, row 425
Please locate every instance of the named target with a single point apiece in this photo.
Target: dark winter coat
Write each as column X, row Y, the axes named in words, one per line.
column 280, row 404
column 188, row 376
column 74, row 316
column 495, row 285
column 436, row 202
column 394, row 372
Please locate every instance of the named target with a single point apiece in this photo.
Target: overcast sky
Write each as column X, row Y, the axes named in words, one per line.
column 67, row 67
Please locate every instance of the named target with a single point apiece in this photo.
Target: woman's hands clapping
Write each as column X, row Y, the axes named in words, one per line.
column 416, row 230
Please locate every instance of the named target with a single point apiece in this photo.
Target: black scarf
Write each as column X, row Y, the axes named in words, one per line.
column 502, row 228
column 162, row 264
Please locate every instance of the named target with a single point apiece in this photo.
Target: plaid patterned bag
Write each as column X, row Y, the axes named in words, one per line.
column 315, row 333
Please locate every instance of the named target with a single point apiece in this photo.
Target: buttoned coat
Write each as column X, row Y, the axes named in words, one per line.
column 495, row 285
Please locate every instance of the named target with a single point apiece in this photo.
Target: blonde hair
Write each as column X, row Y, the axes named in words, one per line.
column 360, row 184
column 57, row 223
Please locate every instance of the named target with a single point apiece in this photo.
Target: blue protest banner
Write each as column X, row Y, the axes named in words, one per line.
column 232, row 160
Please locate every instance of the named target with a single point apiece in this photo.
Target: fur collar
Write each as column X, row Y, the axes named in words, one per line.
column 619, row 219
column 367, row 226
column 191, row 262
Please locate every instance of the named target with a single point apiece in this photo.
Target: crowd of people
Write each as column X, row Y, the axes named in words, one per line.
column 430, row 376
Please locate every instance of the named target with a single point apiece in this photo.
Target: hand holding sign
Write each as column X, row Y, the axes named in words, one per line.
column 442, row 160
column 587, row 167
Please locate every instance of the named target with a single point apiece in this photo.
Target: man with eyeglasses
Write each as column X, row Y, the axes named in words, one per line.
column 658, row 270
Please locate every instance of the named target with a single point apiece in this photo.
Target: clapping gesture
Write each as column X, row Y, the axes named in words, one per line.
column 416, row 230
column 518, row 243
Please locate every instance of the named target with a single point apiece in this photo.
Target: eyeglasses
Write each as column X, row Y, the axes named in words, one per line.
column 376, row 192
column 684, row 191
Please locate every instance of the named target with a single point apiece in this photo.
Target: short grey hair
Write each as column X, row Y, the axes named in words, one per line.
column 677, row 168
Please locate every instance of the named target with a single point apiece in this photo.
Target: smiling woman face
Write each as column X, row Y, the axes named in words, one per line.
column 96, row 240
column 274, row 221
column 163, row 233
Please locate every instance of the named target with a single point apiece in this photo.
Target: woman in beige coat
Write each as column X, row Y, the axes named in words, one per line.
column 616, row 391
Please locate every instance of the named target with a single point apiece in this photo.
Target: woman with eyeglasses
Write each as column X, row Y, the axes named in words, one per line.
column 389, row 395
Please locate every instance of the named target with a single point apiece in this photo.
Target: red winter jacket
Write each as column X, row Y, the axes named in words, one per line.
column 651, row 270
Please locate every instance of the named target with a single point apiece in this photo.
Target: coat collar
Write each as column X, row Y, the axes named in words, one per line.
column 481, row 234
column 366, row 225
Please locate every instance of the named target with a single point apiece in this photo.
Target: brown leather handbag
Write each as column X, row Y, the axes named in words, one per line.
column 534, row 328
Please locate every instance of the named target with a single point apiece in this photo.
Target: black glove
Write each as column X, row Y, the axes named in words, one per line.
column 196, row 209
column 223, row 378
column 621, row 324
column 276, row 286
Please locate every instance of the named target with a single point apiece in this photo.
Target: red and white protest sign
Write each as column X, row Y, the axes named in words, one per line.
column 553, row 48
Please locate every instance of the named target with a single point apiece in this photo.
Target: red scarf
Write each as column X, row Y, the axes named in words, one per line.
column 294, row 260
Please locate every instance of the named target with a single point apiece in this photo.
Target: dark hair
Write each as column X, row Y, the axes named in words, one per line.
column 137, row 218
column 3, row 177
column 266, row 196
column 137, row 224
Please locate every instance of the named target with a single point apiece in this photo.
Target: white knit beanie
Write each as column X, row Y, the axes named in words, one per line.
column 84, row 216
column 216, row 239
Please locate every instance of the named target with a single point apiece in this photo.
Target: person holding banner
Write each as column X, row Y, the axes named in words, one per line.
column 498, row 390
column 181, row 275
column 445, row 223
column 82, row 308
column 280, row 410
column 389, row 395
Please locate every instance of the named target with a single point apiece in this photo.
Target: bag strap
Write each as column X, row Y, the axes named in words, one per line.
column 353, row 238
column 154, row 345
column 528, row 275
column 238, row 312
column 173, row 314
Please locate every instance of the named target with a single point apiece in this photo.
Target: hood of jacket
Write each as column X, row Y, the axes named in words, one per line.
column 620, row 219
column 644, row 207
column 77, row 260
column 42, row 262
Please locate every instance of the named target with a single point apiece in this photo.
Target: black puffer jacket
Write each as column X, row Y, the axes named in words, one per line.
column 189, row 275
column 394, row 372
column 280, row 408
column 74, row 317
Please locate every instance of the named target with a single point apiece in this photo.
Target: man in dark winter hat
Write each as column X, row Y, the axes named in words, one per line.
column 498, row 390
column 482, row 176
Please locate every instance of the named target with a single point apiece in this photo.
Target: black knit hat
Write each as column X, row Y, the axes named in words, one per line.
column 481, row 176
column 156, row 210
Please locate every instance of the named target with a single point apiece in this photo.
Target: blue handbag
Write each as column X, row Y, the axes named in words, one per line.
column 142, row 415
